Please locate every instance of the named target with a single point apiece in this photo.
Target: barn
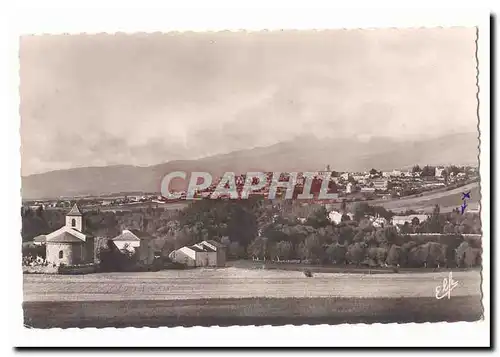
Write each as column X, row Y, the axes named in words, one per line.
column 208, row 253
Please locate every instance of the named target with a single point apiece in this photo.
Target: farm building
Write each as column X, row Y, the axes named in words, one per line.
column 136, row 241
column 70, row 244
column 336, row 217
column 205, row 254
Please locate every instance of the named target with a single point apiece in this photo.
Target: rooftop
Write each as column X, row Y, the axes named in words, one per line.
column 132, row 235
column 75, row 211
column 65, row 237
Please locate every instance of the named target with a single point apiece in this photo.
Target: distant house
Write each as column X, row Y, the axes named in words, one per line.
column 208, row 253
column 135, row 240
column 345, row 176
column 336, row 217
column 378, row 222
column 70, row 244
column 367, row 189
column 397, row 220
column 380, row 184
column 439, row 171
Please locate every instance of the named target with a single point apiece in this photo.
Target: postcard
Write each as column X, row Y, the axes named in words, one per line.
column 251, row 178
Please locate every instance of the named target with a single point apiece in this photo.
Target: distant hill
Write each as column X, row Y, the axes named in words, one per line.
column 301, row 154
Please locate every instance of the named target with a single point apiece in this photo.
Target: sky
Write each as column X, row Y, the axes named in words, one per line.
column 144, row 99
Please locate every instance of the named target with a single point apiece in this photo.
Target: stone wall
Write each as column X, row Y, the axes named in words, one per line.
column 71, row 253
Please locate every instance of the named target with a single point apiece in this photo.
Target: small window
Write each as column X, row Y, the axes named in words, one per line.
column 73, row 222
column 60, row 254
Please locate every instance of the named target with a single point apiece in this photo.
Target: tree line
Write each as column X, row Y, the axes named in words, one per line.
column 287, row 230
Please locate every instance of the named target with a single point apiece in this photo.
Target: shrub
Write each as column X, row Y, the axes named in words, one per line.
column 308, row 273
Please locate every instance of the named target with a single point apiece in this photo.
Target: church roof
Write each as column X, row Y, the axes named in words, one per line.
column 65, row 237
column 75, row 211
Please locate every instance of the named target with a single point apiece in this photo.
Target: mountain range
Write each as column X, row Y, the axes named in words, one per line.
column 306, row 153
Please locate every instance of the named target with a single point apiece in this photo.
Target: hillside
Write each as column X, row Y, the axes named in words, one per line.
column 302, row 154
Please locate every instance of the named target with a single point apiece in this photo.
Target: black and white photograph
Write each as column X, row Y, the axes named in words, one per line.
column 236, row 178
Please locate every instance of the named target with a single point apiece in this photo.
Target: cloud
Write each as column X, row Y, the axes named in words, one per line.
column 144, row 99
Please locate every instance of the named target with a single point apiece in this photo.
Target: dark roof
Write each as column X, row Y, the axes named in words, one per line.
column 201, row 248
column 40, row 238
column 132, row 234
column 208, row 249
column 75, row 211
column 140, row 234
column 216, row 244
column 196, row 249
column 65, row 237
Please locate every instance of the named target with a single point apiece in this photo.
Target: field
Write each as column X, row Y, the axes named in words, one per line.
column 240, row 296
column 447, row 200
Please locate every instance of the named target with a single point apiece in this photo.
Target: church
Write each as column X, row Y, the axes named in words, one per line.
column 70, row 244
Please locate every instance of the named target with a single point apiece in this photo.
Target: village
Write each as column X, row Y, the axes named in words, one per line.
column 349, row 186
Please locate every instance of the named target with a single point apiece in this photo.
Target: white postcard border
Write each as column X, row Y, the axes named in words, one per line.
column 85, row 17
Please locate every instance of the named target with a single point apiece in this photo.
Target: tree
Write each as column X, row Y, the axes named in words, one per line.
column 312, row 248
column 435, row 223
column 428, row 171
column 356, row 253
column 417, row 256
column 416, row 168
column 460, row 253
column 406, row 228
column 406, row 248
column 454, row 169
column 390, row 236
column 394, row 255
column 346, row 234
column 472, row 257
column 258, row 248
column 226, row 241
column 373, row 172
column 236, row 251
column 343, row 206
column 449, row 228
column 360, row 209
column 436, row 255
column 283, row 250
column 445, row 175
column 376, row 256
column 336, row 253
column 319, row 218
column 345, row 218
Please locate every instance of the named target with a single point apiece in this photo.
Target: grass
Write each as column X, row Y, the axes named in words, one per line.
column 249, row 311
column 235, row 296
column 234, row 283
column 340, row 269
